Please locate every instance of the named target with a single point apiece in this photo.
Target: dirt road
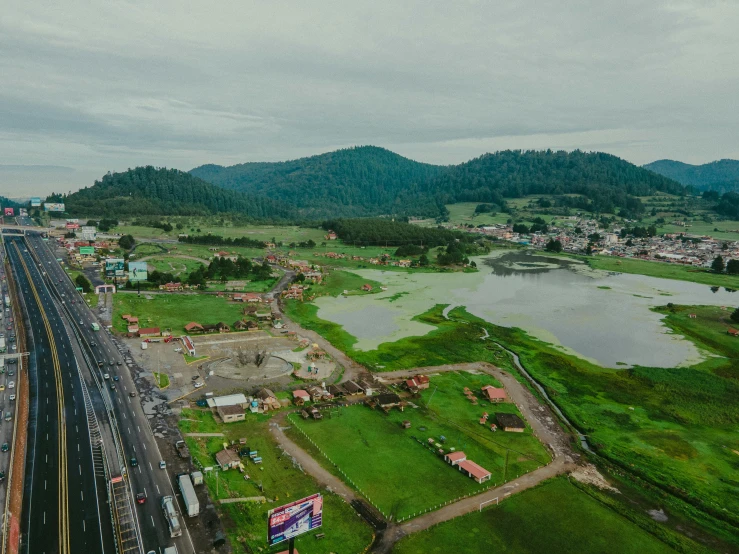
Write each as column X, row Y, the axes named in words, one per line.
column 542, row 422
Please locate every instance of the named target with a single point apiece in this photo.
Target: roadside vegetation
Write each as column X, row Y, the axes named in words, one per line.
column 277, row 479
column 554, row 517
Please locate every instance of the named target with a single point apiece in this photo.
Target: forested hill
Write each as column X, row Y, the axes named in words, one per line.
column 160, row 191
column 367, row 180
column 721, row 175
column 606, row 181
column 360, row 181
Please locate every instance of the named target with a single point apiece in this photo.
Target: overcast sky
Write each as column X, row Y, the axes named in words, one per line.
column 87, row 90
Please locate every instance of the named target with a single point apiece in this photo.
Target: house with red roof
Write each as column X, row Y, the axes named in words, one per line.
column 455, row 458
column 475, row 471
column 417, row 383
column 494, row 394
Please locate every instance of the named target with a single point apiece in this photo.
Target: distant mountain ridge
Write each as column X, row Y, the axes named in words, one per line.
column 360, row 181
column 721, row 175
column 161, row 191
column 369, row 181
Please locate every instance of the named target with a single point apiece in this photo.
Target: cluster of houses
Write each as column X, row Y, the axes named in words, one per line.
column 233, row 407
column 133, row 329
column 697, row 250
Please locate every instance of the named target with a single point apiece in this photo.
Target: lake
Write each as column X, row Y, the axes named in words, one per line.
column 603, row 317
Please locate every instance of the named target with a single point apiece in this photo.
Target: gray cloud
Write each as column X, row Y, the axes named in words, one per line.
column 163, row 83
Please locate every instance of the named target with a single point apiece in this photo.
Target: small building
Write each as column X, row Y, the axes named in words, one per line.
column 417, row 383
column 510, row 422
column 475, row 471
column 352, row 388
column 133, row 329
column 149, row 332
column 455, row 458
column 300, row 397
column 494, row 394
column 337, row 391
column 228, row 400
column 230, row 414
column 226, row 459
column 733, row 332
column 194, row 327
column 406, row 424
column 388, row 401
column 269, row 400
column 367, row 287
column 188, row 345
column 252, row 325
column 239, row 325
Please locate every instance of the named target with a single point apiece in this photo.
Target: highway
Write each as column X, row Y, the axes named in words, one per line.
column 128, row 415
column 61, row 500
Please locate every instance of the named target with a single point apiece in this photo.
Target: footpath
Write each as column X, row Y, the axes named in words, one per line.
column 541, row 419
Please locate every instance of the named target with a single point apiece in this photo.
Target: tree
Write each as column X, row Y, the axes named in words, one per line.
column 83, row 283
column 554, row 246
column 126, row 242
column 423, row 260
column 732, row 267
column 735, row 316
column 718, row 265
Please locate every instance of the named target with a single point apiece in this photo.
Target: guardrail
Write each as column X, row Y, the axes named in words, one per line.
column 115, row 505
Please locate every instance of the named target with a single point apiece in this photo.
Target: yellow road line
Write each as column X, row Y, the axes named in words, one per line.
column 63, row 500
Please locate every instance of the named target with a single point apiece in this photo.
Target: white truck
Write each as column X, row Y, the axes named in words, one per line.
column 170, row 514
column 170, row 550
column 188, row 495
column 2, row 344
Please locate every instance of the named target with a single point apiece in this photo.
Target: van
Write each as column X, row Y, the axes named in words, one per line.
column 106, row 376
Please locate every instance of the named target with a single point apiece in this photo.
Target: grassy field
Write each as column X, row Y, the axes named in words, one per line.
column 377, row 455
column 173, row 311
column 281, row 482
column 672, row 427
column 662, row 270
column 174, row 265
column 554, row 517
column 287, row 233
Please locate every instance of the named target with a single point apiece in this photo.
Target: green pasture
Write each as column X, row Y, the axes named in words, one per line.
column 277, row 479
column 553, row 517
column 376, row 455
column 174, row 311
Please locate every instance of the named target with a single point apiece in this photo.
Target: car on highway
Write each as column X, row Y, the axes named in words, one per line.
column 134, row 461
column 2, row 476
column 132, row 394
column 162, row 464
column 198, row 385
column 5, row 447
column 140, row 498
column 11, row 373
column 2, row 387
column 12, row 397
column 81, row 322
column 111, row 362
column 116, row 378
column 93, row 344
column 119, row 363
column 106, row 376
column 11, row 385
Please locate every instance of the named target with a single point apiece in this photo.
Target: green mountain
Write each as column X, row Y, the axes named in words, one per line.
column 366, row 181
column 160, row 191
column 359, row 181
column 721, row 175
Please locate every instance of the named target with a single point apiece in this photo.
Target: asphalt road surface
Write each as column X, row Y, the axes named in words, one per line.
column 60, row 506
column 138, row 441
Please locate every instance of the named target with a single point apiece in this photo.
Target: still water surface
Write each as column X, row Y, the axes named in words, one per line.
column 601, row 316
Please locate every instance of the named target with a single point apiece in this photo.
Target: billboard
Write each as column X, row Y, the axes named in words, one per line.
column 87, row 250
column 294, row 519
column 114, row 267
column 137, row 271
column 73, row 226
column 10, row 212
column 35, row 202
column 51, row 207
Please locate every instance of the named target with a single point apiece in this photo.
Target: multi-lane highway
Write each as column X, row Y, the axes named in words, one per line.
column 120, row 398
column 61, row 500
